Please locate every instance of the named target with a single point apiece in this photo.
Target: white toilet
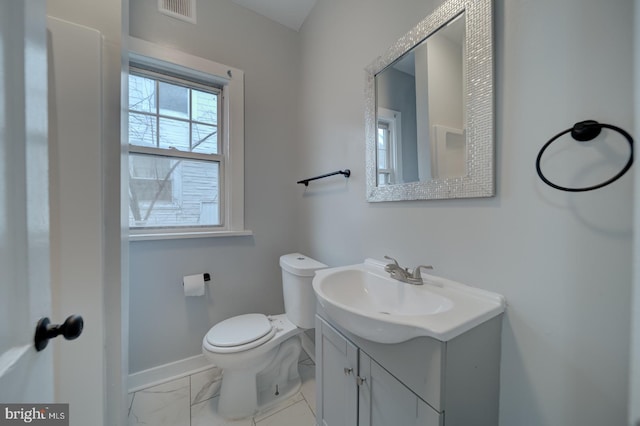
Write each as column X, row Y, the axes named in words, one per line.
column 258, row 354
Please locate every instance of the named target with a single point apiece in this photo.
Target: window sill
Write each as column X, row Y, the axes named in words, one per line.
column 141, row 236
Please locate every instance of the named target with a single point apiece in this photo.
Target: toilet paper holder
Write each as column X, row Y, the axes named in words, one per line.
column 207, row 277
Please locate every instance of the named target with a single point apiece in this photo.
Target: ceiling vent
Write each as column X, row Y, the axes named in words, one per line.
column 180, row 9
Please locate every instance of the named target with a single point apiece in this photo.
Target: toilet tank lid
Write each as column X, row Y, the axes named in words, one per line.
column 301, row 265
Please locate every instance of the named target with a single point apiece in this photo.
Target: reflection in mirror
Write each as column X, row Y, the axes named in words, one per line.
column 429, row 109
column 420, row 110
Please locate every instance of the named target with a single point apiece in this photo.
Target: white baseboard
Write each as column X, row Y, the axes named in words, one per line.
column 309, row 346
column 167, row 372
column 185, row 367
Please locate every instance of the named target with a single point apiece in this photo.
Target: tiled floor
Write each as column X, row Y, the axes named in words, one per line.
column 192, row 401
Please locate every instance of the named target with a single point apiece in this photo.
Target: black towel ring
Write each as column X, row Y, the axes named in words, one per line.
column 582, row 132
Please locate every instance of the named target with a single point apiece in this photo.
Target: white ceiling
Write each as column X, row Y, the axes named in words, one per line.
column 290, row 13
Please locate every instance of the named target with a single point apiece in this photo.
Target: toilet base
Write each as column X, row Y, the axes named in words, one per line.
column 245, row 394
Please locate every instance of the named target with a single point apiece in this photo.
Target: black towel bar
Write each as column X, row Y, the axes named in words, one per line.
column 345, row 172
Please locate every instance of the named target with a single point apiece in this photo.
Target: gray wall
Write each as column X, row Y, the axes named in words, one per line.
column 562, row 260
column 164, row 325
column 634, row 382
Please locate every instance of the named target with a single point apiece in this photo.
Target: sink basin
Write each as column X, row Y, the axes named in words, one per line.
column 365, row 301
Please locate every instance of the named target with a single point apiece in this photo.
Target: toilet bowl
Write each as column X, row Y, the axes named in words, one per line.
column 259, row 354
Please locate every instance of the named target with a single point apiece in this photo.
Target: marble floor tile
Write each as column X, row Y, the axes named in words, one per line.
column 280, row 406
column 298, row 414
column 308, row 374
column 193, row 401
column 205, row 414
column 167, row 404
column 205, row 385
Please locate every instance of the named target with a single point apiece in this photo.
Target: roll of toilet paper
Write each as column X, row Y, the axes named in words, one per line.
column 193, row 285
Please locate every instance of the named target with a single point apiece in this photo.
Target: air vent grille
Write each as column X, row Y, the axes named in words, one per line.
column 180, row 9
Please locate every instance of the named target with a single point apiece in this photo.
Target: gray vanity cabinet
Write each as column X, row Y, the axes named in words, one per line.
column 353, row 389
column 421, row 382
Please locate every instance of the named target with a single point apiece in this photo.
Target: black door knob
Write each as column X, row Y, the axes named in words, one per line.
column 70, row 329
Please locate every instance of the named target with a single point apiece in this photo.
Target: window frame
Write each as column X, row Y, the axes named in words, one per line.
column 230, row 80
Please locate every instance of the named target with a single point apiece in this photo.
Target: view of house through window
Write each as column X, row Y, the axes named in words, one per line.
column 175, row 158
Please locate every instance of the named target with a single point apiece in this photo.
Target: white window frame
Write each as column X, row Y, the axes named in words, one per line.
column 231, row 80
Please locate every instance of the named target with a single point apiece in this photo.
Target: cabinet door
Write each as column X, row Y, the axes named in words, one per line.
column 384, row 401
column 336, row 367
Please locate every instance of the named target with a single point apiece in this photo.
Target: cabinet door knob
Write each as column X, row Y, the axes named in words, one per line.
column 347, row 371
column 360, row 380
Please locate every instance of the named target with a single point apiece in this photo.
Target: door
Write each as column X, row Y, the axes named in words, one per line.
column 336, row 369
column 25, row 374
column 383, row 400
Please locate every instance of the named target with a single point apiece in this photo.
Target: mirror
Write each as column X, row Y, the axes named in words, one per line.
column 429, row 109
column 425, row 82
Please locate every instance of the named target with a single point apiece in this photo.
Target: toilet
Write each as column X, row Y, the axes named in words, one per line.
column 258, row 354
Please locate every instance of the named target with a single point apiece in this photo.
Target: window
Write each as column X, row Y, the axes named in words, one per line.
column 186, row 143
column 389, row 149
column 384, row 154
column 170, row 121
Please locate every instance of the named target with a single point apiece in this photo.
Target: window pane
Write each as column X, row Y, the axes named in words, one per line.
column 174, row 100
column 150, row 182
column 171, row 192
column 142, row 94
column 148, row 167
column 382, row 159
column 205, row 107
column 142, row 129
column 383, row 147
column 174, row 134
column 204, row 139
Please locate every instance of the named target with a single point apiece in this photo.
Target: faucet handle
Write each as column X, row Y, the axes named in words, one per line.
column 416, row 272
column 392, row 259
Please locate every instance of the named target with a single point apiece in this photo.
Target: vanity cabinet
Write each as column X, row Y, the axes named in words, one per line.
column 421, row 382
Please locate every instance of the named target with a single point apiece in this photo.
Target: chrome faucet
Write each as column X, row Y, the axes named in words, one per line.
column 402, row 274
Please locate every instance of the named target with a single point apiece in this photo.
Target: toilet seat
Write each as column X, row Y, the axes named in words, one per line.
column 240, row 333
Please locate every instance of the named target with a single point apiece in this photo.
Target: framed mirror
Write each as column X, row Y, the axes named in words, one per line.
column 429, row 109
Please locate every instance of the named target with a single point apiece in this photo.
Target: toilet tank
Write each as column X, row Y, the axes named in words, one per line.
column 299, row 299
